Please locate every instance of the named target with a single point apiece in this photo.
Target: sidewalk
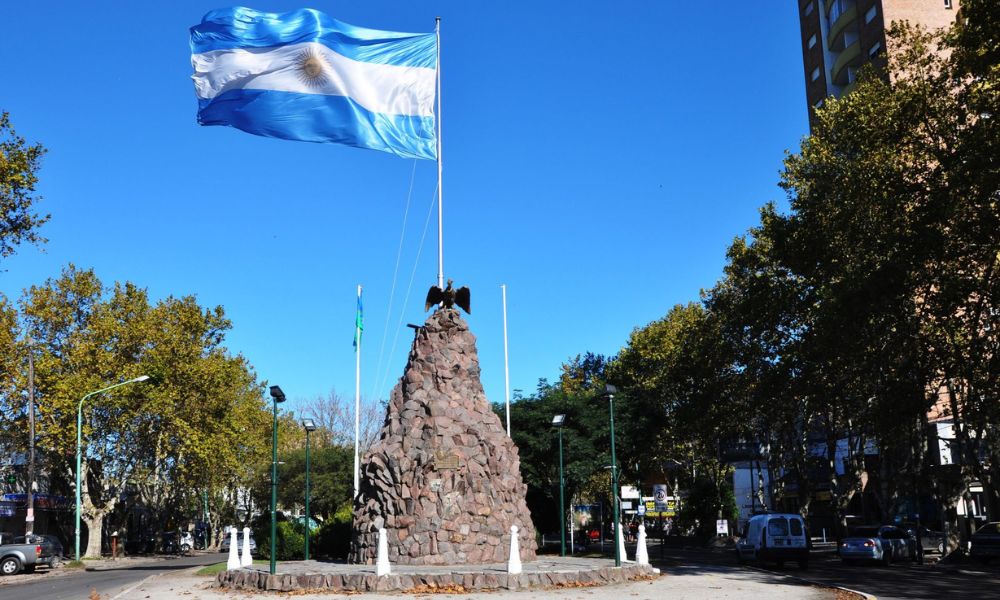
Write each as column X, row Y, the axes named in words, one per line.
column 692, row 583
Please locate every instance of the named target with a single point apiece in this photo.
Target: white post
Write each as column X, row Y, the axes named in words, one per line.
column 506, row 369
column 234, row 557
column 437, row 75
column 621, row 541
column 641, row 554
column 246, row 560
column 357, row 404
column 514, row 562
column 382, row 566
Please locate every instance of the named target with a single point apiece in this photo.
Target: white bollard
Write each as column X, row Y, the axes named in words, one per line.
column 621, row 542
column 641, row 554
column 514, row 562
column 246, row 560
column 234, row 557
column 382, row 566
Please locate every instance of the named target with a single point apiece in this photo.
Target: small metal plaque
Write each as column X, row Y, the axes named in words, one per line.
column 446, row 462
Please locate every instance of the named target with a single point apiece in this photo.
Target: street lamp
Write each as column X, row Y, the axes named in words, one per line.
column 557, row 422
column 276, row 396
column 309, row 425
column 79, row 445
column 610, row 391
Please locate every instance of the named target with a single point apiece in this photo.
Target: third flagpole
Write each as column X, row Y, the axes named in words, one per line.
column 437, row 72
column 357, row 398
column 506, row 370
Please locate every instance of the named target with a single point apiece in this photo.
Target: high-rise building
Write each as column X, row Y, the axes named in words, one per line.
column 839, row 36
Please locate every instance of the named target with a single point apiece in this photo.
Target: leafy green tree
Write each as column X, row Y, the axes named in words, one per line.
column 193, row 427
column 19, row 164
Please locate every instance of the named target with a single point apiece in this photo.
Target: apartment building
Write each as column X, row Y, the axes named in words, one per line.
column 839, row 36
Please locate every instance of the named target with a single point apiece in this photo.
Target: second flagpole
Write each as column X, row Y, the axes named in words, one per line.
column 357, row 398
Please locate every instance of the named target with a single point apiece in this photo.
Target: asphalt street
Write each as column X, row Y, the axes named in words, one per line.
column 108, row 582
column 895, row 582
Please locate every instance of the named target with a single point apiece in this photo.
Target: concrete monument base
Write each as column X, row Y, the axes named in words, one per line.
column 544, row 572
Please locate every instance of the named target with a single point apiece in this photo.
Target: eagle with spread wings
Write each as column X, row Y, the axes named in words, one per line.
column 448, row 297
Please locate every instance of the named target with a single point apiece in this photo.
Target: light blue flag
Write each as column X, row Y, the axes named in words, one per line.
column 301, row 75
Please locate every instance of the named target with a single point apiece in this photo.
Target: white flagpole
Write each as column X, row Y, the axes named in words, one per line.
column 357, row 405
column 506, row 369
column 437, row 73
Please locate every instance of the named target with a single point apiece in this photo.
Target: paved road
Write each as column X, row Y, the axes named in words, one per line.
column 896, row 582
column 108, row 582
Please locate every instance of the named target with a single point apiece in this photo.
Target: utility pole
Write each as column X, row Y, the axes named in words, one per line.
column 29, row 519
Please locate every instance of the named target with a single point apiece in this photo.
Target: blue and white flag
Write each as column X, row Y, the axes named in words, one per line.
column 301, row 75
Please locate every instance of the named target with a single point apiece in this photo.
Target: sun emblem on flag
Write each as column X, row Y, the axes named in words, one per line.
column 313, row 68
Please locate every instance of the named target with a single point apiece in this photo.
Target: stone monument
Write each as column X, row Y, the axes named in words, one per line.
column 444, row 478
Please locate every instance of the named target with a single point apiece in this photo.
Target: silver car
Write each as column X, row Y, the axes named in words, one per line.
column 882, row 544
column 224, row 545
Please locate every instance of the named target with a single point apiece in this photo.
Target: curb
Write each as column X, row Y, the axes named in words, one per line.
column 131, row 589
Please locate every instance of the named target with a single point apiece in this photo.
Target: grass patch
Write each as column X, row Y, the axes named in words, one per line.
column 219, row 567
column 73, row 564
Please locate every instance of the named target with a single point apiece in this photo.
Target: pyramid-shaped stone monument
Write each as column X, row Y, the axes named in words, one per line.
column 444, row 478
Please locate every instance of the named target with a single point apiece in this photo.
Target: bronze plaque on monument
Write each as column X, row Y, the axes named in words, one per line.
column 445, row 461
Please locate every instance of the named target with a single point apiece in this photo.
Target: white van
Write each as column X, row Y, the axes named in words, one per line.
column 774, row 537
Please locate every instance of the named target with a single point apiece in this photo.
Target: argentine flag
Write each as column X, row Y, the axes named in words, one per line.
column 301, row 75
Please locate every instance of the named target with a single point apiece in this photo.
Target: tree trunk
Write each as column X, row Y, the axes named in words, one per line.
column 95, row 523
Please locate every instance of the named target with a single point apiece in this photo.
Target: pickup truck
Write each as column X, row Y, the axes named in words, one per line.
column 15, row 558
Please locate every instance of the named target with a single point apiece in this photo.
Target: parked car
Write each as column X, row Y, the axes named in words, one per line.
column 224, row 546
column 986, row 542
column 883, row 544
column 54, row 548
column 774, row 537
column 930, row 540
column 15, row 558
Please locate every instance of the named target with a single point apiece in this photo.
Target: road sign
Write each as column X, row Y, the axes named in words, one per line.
column 722, row 527
column 642, row 510
column 660, row 496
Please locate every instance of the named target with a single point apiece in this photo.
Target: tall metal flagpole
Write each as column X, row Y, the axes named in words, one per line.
column 437, row 73
column 357, row 402
column 506, row 370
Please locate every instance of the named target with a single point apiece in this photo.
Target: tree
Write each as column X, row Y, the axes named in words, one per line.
column 19, row 164
column 194, row 426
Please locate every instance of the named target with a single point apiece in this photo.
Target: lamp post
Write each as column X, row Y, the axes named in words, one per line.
column 609, row 391
column 277, row 396
column 79, row 446
column 309, row 425
column 557, row 422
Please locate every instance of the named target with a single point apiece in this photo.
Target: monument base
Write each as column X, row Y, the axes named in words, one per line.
column 314, row 576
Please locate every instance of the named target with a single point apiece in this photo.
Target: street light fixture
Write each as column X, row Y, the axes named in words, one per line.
column 557, row 422
column 277, row 396
column 610, row 391
column 310, row 426
column 79, row 446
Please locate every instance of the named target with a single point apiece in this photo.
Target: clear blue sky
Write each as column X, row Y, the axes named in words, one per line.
column 599, row 158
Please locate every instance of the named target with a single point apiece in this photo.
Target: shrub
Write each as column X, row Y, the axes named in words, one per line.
column 333, row 539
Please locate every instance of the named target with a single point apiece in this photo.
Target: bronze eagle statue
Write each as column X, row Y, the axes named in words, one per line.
column 448, row 297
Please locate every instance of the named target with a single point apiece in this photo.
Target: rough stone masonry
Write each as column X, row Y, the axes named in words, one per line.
column 443, row 479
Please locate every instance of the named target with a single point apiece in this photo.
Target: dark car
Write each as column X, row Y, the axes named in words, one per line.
column 874, row 543
column 986, row 542
column 930, row 540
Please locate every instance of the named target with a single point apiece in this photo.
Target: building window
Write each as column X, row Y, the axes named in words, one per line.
column 870, row 15
column 812, row 41
column 815, row 74
column 947, row 3
column 819, row 104
column 874, row 50
column 809, row 8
